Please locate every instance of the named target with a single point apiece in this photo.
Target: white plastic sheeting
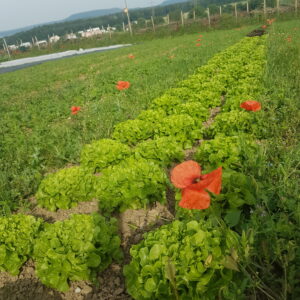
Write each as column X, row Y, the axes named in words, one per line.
column 53, row 56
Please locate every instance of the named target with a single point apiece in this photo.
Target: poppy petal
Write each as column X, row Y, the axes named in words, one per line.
column 185, row 173
column 251, row 105
column 211, row 182
column 193, row 199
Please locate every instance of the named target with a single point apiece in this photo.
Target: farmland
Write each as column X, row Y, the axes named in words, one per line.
column 204, row 125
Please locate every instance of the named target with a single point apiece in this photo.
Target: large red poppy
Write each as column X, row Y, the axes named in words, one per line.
column 251, row 105
column 122, row 85
column 75, row 110
column 187, row 176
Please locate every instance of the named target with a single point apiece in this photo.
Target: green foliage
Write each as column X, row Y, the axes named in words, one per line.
column 131, row 185
column 181, row 127
column 225, row 151
column 164, row 151
column 133, row 131
column 194, row 109
column 75, row 249
column 184, row 260
column 65, row 188
column 166, row 102
column 103, row 153
column 235, row 122
column 17, row 236
column 151, row 115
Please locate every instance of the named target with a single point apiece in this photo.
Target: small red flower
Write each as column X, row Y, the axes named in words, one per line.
column 131, row 56
column 198, row 44
column 201, row 35
column 75, row 110
column 199, row 40
column 251, row 105
column 264, row 26
column 187, row 176
column 123, row 85
column 289, row 39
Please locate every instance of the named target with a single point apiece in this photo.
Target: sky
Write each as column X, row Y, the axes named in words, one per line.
column 20, row 13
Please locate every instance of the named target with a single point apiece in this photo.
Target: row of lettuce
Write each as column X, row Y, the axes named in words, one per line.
column 195, row 256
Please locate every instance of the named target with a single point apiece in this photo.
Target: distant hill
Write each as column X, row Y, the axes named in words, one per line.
column 93, row 14
column 83, row 15
column 169, row 2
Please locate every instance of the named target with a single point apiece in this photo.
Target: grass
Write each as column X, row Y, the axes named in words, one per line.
column 38, row 133
column 276, row 219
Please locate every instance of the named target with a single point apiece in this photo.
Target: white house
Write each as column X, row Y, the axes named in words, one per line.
column 54, row 39
column 42, row 43
column 71, row 36
column 25, row 45
column 12, row 47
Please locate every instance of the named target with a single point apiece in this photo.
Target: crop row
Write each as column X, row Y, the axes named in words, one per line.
column 129, row 171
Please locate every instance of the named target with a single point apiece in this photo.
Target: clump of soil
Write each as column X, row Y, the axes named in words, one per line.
column 62, row 214
column 256, row 32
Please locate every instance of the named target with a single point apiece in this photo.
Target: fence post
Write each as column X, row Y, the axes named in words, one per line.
column 7, row 50
column 265, row 7
column 247, row 7
column 235, row 12
column 182, row 21
column 296, row 7
column 208, row 16
column 278, row 7
column 220, row 11
column 153, row 23
column 194, row 15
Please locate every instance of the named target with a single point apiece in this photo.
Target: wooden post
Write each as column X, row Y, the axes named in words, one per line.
column 247, row 4
column 265, row 7
column 296, row 7
column 168, row 19
column 278, row 6
column 208, row 16
column 220, row 11
column 182, row 21
column 194, row 15
column 7, row 50
column 37, row 42
column 153, row 26
column 124, row 27
column 235, row 12
column 128, row 17
column 108, row 27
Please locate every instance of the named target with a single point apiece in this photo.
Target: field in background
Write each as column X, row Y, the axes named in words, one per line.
column 38, row 132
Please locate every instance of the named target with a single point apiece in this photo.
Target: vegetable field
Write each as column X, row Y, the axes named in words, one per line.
column 167, row 170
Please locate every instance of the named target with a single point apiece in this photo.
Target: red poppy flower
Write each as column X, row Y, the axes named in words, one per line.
column 199, row 40
column 289, row 38
column 187, row 176
column 264, row 26
column 122, row 85
column 75, row 110
column 198, row 44
column 200, row 35
column 251, row 105
column 131, row 56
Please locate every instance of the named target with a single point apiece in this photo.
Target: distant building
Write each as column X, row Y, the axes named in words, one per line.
column 70, row 36
column 90, row 32
column 54, row 39
column 42, row 43
column 12, row 47
column 25, row 45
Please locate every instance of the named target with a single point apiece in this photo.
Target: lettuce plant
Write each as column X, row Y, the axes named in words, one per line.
column 17, row 237
column 75, row 249
column 131, row 185
column 65, row 188
column 225, row 151
column 183, row 260
column 103, row 153
column 133, row 131
column 164, row 151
